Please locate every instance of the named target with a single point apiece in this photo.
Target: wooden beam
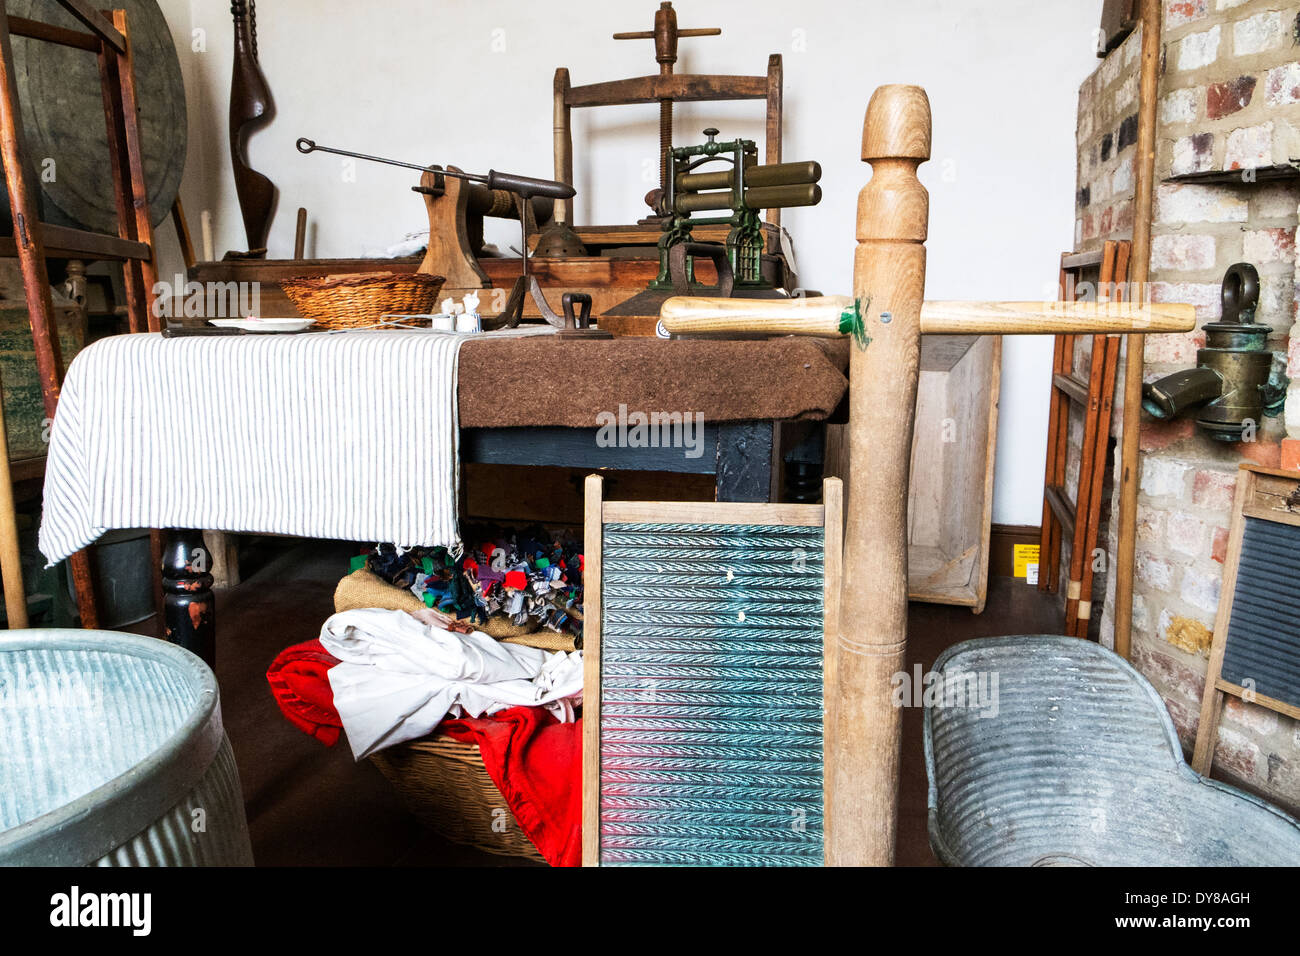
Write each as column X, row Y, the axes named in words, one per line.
column 1140, row 261
column 95, row 21
column 1072, row 386
column 775, row 121
column 681, row 88
column 65, row 242
column 562, row 141
column 828, row 315
column 39, row 30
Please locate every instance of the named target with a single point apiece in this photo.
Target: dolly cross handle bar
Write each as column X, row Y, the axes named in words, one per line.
column 525, row 187
column 836, row 315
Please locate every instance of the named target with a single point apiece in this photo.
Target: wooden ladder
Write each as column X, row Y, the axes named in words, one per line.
column 1079, row 519
column 106, row 37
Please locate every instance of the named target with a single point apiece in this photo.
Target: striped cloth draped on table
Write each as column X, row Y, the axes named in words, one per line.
column 350, row 436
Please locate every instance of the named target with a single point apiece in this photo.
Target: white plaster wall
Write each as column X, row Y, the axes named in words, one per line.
column 468, row 82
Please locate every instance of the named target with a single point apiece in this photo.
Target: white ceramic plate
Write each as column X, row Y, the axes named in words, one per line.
column 253, row 324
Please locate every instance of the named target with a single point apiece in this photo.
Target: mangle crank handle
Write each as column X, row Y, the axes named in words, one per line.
column 835, row 315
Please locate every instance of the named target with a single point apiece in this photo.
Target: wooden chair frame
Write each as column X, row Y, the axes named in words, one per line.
column 33, row 241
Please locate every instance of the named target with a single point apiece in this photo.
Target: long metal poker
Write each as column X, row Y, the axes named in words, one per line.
column 525, row 187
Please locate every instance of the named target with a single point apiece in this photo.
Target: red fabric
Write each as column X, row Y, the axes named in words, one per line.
column 535, row 761
column 299, row 679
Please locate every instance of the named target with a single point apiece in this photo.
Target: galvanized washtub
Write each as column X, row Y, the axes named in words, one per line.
column 1076, row 763
column 112, row 753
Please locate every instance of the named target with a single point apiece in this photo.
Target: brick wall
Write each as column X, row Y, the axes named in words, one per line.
column 1228, row 116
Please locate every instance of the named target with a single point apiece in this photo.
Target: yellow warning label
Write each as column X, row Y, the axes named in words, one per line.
column 1024, row 555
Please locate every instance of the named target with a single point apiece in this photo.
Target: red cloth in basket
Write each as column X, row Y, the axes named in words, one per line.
column 535, row 761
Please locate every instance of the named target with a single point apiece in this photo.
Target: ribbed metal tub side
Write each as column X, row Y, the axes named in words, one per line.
column 1076, row 762
column 112, row 751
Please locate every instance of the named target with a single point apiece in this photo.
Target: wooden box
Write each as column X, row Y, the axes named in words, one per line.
column 951, row 502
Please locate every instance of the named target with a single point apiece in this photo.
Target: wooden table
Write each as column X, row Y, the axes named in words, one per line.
column 735, row 386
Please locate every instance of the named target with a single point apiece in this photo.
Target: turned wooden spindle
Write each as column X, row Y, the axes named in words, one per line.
column 189, row 608
column 863, row 725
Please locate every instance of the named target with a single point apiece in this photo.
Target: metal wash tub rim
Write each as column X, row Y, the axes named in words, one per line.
column 1070, row 645
column 100, row 820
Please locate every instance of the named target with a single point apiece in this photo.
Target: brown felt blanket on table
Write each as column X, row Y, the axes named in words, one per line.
column 544, row 381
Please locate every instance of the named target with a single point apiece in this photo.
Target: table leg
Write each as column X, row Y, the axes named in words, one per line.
column 83, row 581
column 189, row 609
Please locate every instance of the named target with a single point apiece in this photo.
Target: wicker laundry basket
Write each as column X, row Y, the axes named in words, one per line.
column 445, row 785
column 357, row 300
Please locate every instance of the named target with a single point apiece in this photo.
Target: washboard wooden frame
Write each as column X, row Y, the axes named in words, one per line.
column 599, row 513
column 1266, row 505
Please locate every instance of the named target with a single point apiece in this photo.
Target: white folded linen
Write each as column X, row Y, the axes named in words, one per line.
column 398, row 678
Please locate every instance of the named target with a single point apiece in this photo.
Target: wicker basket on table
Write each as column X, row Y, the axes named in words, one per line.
column 357, row 300
column 446, row 787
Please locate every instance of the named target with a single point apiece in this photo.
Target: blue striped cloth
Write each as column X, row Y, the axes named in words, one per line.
column 350, row 436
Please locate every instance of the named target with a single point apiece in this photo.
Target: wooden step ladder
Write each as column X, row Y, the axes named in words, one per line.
column 106, row 36
column 1079, row 519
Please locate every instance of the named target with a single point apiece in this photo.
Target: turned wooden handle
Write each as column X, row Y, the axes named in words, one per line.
column 821, row 315
column 825, row 316
column 1054, row 318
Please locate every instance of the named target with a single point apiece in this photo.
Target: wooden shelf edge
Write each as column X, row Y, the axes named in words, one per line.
column 65, row 242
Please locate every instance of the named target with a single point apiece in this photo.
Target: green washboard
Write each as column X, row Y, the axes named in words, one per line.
column 703, row 708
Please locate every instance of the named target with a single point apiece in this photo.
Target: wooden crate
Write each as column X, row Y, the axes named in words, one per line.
column 950, row 503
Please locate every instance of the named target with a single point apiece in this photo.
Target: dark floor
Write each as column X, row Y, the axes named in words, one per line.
column 309, row 805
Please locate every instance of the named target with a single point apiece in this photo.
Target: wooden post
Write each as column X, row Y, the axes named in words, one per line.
column 183, row 234
column 1130, row 467
column 775, row 94
column 299, row 234
column 562, row 142
column 863, row 725
column 593, row 543
column 11, row 568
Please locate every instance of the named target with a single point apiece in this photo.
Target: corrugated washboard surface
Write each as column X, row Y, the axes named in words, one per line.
column 711, row 714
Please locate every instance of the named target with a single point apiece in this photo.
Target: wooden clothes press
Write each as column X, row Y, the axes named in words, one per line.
column 862, row 724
